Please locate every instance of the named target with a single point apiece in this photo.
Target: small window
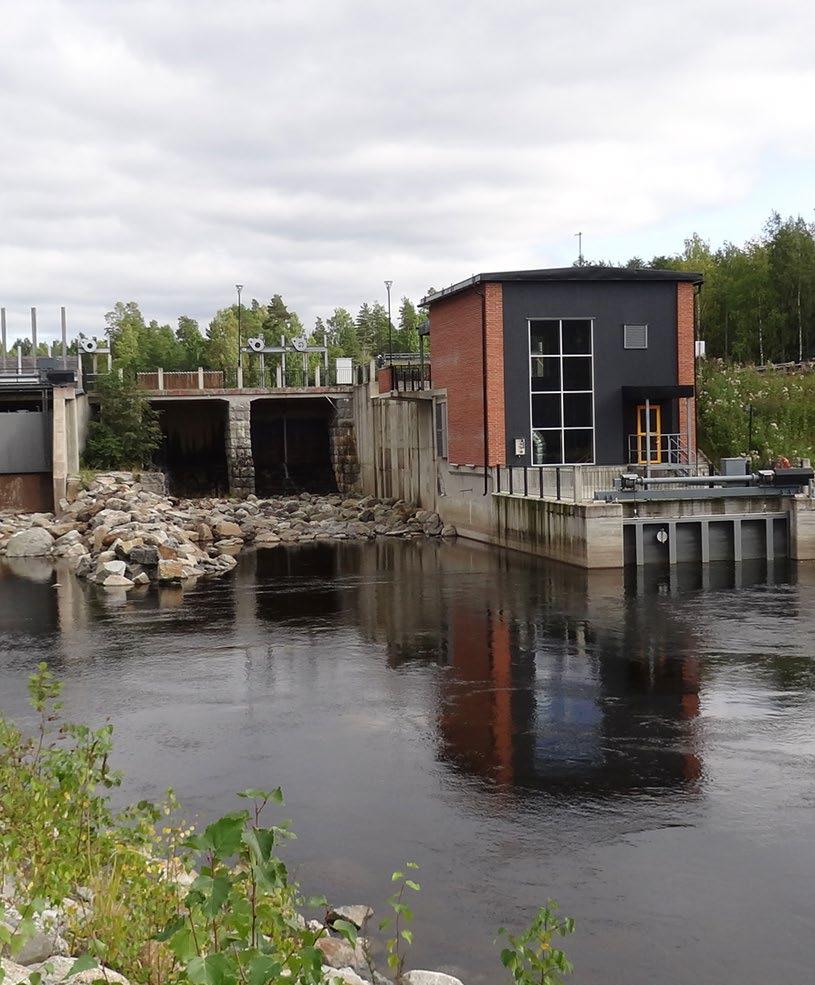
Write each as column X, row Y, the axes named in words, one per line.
column 635, row 336
column 441, row 429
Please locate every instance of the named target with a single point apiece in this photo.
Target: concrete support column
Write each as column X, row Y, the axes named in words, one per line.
column 59, row 442
column 240, row 464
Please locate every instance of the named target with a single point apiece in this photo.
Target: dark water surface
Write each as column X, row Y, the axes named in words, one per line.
column 644, row 753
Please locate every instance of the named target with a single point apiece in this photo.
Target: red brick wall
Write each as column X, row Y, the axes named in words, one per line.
column 457, row 365
column 685, row 356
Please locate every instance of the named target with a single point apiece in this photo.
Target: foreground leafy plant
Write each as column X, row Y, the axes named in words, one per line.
column 531, row 956
column 400, row 922
column 239, row 922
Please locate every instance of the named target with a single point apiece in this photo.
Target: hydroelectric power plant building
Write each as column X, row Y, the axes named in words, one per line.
column 556, row 415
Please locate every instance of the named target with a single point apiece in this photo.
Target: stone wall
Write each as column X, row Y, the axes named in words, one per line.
column 240, row 464
column 343, row 444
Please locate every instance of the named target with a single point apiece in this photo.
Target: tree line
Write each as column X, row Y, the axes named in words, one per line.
column 758, row 300
column 138, row 345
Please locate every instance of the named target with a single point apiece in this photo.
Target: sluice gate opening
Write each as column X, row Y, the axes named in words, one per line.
column 291, row 446
column 193, row 449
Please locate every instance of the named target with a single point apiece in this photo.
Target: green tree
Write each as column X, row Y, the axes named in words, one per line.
column 343, row 339
column 126, row 432
column 192, row 342
column 406, row 337
column 126, row 329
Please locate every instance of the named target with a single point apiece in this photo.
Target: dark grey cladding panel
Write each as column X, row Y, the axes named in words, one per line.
column 612, row 305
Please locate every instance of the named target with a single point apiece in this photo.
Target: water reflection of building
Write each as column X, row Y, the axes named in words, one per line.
column 554, row 678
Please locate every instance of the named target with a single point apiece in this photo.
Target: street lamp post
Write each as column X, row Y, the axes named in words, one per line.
column 388, row 285
column 239, row 288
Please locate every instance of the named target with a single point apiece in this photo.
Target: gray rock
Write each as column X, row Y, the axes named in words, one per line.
column 115, row 581
column 40, row 945
column 147, row 556
column 347, row 976
column 55, row 970
column 110, row 568
column 429, row 978
column 36, row 542
column 357, row 914
column 13, row 973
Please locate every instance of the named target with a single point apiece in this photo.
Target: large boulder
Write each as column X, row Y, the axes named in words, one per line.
column 13, row 973
column 36, row 542
column 225, row 528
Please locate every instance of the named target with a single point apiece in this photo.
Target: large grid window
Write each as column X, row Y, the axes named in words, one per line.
column 561, row 370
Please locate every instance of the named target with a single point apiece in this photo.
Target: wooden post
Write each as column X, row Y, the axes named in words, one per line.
column 160, row 378
column 200, row 377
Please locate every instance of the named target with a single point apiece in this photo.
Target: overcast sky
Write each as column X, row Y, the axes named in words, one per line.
column 163, row 151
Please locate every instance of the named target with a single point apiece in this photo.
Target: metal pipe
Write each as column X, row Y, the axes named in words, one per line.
column 648, row 436
column 34, row 334
column 698, row 480
column 64, row 324
column 3, row 334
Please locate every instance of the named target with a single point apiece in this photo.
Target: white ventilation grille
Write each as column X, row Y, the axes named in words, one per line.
column 635, row 336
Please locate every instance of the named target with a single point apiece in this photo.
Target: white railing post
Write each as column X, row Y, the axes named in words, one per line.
column 160, row 378
column 317, row 375
column 577, row 483
column 240, row 377
column 200, row 377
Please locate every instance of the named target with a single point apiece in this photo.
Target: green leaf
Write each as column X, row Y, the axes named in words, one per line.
column 35, row 978
column 262, row 969
column 170, row 929
column 226, row 834
column 397, row 876
column 346, row 930
column 83, row 963
column 413, row 885
column 260, row 842
column 182, row 944
column 214, row 969
column 254, row 793
column 407, row 935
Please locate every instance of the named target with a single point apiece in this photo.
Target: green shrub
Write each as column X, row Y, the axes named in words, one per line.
column 127, row 431
column 783, row 412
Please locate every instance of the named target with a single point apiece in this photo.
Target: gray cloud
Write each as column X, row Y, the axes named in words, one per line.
column 161, row 151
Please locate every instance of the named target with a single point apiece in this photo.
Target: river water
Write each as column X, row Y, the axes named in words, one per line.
column 642, row 750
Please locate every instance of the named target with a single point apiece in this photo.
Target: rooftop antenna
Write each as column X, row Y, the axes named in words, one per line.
column 579, row 249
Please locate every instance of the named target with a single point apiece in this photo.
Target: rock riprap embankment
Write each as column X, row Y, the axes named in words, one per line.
column 120, row 533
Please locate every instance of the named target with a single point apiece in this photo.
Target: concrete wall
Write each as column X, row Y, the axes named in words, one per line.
column 25, row 442
column 395, row 446
column 395, row 441
column 586, row 534
column 29, row 493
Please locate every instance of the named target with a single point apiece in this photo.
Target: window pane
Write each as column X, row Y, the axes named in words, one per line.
column 546, row 374
column 545, row 410
column 577, row 373
column 577, row 410
column 577, row 336
column 544, row 337
column 546, row 448
column 578, row 446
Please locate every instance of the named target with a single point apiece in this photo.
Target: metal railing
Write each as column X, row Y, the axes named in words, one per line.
column 658, row 449
column 565, row 483
column 411, row 378
column 204, row 379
